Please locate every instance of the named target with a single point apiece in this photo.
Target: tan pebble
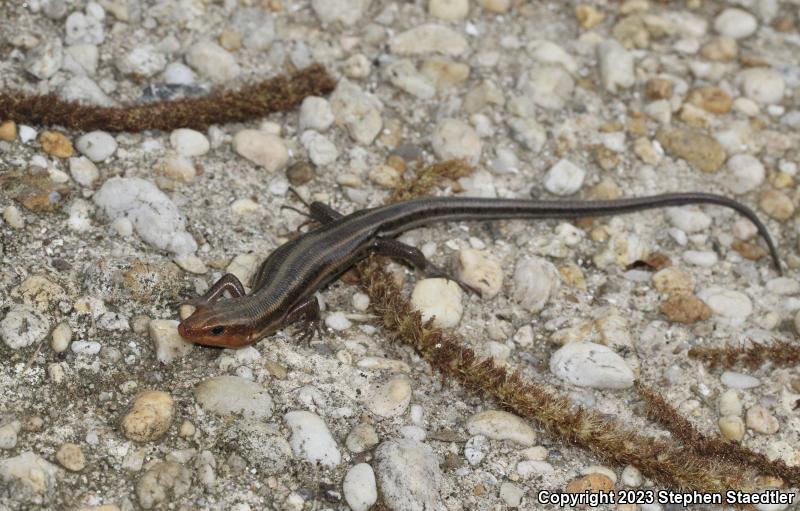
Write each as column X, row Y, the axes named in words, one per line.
column 606, row 189
column 496, row 6
column 56, row 144
column 179, row 168
column 782, row 180
column 685, row 308
column 572, row 275
column 588, row 16
column 605, row 157
column 103, row 507
column 149, row 417
column 632, row 32
column 187, row 430
column 71, row 457
column 480, row 270
column 626, row 507
column 645, row 150
column 637, row 124
column 760, row 420
column 396, row 162
column 8, row 131
column 770, row 481
column 776, row 204
column 276, row 370
column 631, row 6
column 720, row 48
column 61, row 337
column 731, row 427
column 592, row 483
column 711, row 99
column 795, row 382
column 696, row 147
column 695, row 116
column 673, row 280
column 300, row 173
column 658, row 88
column 444, row 73
column 749, row 251
column 230, row 40
column 385, row 176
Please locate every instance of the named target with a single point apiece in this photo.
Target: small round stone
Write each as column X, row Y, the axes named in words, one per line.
column 480, row 270
column 321, row 151
column 149, row 417
column 587, row 364
column 56, row 144
column 261, row 148
column 390, row 398
column 385, row 175
column 13, row 217
column 735, row 23
column 178, row 73
column 22, row 326
column 163, row 482
column 564, row 178
column 746, row 173
column 359, row 487
column 8, row 131
column 535, row 280
column 736, row 380
column 71, row 457
column 316, row 114
column 439, row 298
column 732, row 306
column 168, row 343
column 450, row 10
column 500, row 425
column 361, row 438
column 97, row 145
column 61, row 337
column 760, row 420
column 409, row 474
column 763, row 85
column 453, row 139
column 300, row 173
column 776, row 204
column 731, row 427
column 729, row 403
column 312, row 439
column 213, row 62
column 189, row 142
column 186, row 430
column 83, row 171
column 673, row 280
column 227, row 395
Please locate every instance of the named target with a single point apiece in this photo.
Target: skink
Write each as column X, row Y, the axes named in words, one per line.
column 284, row 286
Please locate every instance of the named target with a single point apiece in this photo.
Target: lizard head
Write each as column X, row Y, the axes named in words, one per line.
column 210, row 326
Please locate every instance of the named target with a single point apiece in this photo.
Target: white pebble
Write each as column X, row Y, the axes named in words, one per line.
column 746, row 173
column 731, row 307
column 321, row 151
column 762, row 85
column 213, row 62
column 511, row 494
column 168, row 344
column 86, row 347
column 312, row 439
column 360, row 302
column 358, row 111
column 123, row 226
column 587, row 364
column 440, row 298
column 23, row 326
column 359, row 487
column 143, row 60
column 178, row 73
column 13, row 217
column 337, row 321
column 480, row 270
column 61, row 337
column 616, row 66
column 409, row 475
column 390, row 398
column 476, row 448
column 783, row 286
column 26, row 133
column 535, row 280
column 564, row 178
column 83, row 171
column 316, row 114
column 80, row 216
column 549, row 87
column 453, row 138
column 736, row 380
column 735, row 23
column 700, row 258
column 688, row 219
column 347, row 12
column 450, row 10
column 96, row 145
column 189, row 142
column 429, row 38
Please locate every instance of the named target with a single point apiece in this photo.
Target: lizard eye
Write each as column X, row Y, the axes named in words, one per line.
column 217, row 330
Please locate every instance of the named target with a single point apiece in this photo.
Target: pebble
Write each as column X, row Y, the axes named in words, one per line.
column 444, row 73
column 783, row 286
column 96, row 145
column 731, row 427
column 697, row 148
column 142, row 61
column 450, row 10
column 587, row 364
column 9, row 429
column 403, row 74
column 688, row 219
column 511, row 494
column 169, row 345
column 616, row 66
column 164, row 482
column 476, row 449
column 776, row 204
column 46, row 59
column 81, row 59
column 29, row 473
column 149, row 417
column 535, row 281
column 500, row 425
column 496, row 6
column 358, row 111
column 385, row 176
column 439, row 298
column 261, row 148
column 83, row 171
column 480, row 270
column 762, row 85
column 455, row 139
column 361, row 438
column 189, row 142
column 23, row 326
column 631, row 477
column 729, row 403
column 673, row 280
column 316, row 114
column 409, row 475
column 213, row 61
column 300, row 173
column 321, row 151
column 593, row 483
column 685, row 308
column 357, row 66
column 731, row 306
column 760, row 420
column 8, row 131
column 741, row 381
column 720, row 49
column 337, row 321
column 83, row 89
column 13, row 217
column 153, row 215
column 549, row 87
column 178, row 73
column 429, row 38
column 56, row 144
column 70, row 456
column 312, row 439
column 88, row 348
column 82, row 29
column 390, row 398
column 746, row 173
column 227, row 395
column 564, row 178
column 61, row 337
column 346, row 12
column 735, row 23
column 547, row 52
column 359, row 487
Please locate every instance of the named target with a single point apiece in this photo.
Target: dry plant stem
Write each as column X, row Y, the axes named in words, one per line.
column 663, row 461
column 249, row 102
column 664, row 414
column 430, row 176
column 780, row 353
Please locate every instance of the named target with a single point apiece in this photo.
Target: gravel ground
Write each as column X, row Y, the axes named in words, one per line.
column 104, row 407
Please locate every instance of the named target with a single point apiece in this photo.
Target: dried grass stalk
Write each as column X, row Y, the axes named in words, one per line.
column 780, row 353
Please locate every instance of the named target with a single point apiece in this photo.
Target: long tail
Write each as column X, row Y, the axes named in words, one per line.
column 403, row 216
